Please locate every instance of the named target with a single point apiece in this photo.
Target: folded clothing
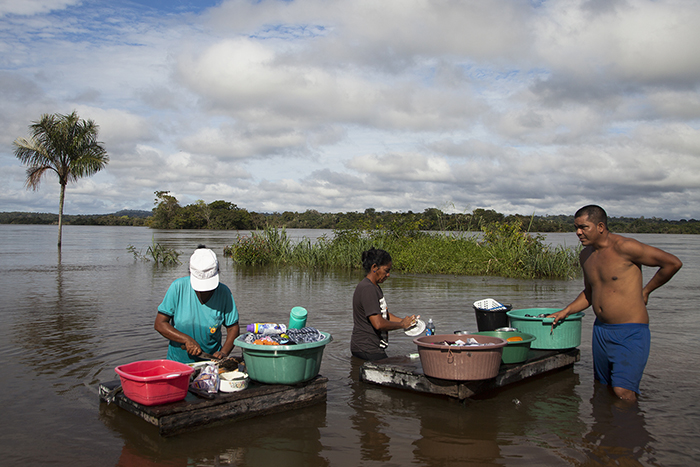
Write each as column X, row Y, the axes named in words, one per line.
column 305, row 335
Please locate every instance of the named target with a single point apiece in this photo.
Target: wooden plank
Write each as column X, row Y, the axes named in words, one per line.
column 195, row 412
column 407, row 373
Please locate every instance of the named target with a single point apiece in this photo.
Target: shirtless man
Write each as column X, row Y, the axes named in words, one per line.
column 612, row 270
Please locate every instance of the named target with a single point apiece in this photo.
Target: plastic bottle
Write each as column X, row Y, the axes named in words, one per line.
column 430, row 328
column 267, row 328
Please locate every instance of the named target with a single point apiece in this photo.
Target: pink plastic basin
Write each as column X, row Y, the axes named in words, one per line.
column 155, row 382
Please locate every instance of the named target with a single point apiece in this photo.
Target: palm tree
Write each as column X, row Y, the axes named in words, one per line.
column 65, row 144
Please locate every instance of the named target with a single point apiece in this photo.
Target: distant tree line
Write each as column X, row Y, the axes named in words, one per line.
column 224, row 215
column 125, row 218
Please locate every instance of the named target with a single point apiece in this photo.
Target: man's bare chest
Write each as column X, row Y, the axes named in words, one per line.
column 609, row 267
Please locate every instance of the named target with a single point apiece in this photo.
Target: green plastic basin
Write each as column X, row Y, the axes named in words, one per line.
column 513, row 352
column 283, row 364
column 565, row 335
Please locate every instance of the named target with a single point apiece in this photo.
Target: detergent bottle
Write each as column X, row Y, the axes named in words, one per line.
column 267, row 328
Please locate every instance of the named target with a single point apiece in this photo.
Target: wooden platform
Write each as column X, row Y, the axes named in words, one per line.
column 407, row 373
column 195, row 412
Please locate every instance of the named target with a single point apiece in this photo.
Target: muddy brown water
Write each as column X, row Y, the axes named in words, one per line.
column 66, row 322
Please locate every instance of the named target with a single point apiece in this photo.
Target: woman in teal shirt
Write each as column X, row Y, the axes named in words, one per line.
column 194, row 310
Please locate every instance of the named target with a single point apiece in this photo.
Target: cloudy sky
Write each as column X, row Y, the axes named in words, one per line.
column 520, row 106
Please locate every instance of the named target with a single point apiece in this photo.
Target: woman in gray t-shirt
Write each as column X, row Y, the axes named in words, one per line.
column 371, row 318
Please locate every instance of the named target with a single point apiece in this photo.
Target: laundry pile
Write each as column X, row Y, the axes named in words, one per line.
column 304, row 335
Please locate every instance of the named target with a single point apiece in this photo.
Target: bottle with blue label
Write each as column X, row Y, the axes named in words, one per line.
column 430, row 328
column 267, row 328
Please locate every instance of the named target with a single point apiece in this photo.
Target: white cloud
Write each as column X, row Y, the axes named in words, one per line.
column 250, row 82
column 340, row 106
column 32, row 7
column 638, row 42
column 414, row 167
column 231, row 143
column 118, row 128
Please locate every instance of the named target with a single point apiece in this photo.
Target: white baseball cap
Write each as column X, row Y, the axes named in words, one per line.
column 204, row 270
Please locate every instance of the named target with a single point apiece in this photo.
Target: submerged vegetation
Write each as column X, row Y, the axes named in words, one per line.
column 503, row 249
column 158, row 253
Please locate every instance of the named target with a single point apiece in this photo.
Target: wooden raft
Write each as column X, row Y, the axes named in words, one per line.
column 195, row 412
column 407, row 373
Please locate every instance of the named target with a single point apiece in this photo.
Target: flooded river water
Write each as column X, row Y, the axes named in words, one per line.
column 66, row 322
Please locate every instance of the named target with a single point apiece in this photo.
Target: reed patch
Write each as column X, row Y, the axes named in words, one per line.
column 500, row 249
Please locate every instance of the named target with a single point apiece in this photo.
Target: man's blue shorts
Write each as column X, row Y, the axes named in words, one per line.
column 620, row 353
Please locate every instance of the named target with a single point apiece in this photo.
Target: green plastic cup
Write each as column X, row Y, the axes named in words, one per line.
column 297, row 317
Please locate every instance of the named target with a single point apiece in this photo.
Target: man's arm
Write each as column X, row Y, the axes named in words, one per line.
column 650, row 256
column 580, row 303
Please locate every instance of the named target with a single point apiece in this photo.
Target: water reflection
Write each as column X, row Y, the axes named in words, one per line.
column 535, row 416
column 366, row 418
column 618, row 435
column 457, row 439
column 291, row 439
column 554, row 405
column 132, row 457
column 460, row 436
column 66, row 323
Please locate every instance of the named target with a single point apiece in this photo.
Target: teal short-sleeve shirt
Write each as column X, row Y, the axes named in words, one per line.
column 200, row 321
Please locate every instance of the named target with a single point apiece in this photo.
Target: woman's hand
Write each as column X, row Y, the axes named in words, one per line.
column 192, row 347
column 409, row 321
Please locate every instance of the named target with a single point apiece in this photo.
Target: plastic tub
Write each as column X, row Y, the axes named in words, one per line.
column 566, row 334
column 490, row 320
column 283, row 364
column 460, row 363
column 155, row 382
column 514, row 352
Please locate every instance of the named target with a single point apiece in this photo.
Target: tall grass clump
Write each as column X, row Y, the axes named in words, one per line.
column 271, row 246
column 268, row 246
column 158, row 253
column 503, row 250
column 508, row 251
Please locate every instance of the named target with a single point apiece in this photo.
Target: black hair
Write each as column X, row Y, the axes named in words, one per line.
column 594, row 213
column 201, row 246
column 374, row 256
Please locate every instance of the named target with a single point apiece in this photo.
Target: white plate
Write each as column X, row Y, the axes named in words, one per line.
column 417, row 329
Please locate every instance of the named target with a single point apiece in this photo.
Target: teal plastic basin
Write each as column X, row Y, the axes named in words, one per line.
column 283, row 364
column 565, row 335
column 513, row 352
